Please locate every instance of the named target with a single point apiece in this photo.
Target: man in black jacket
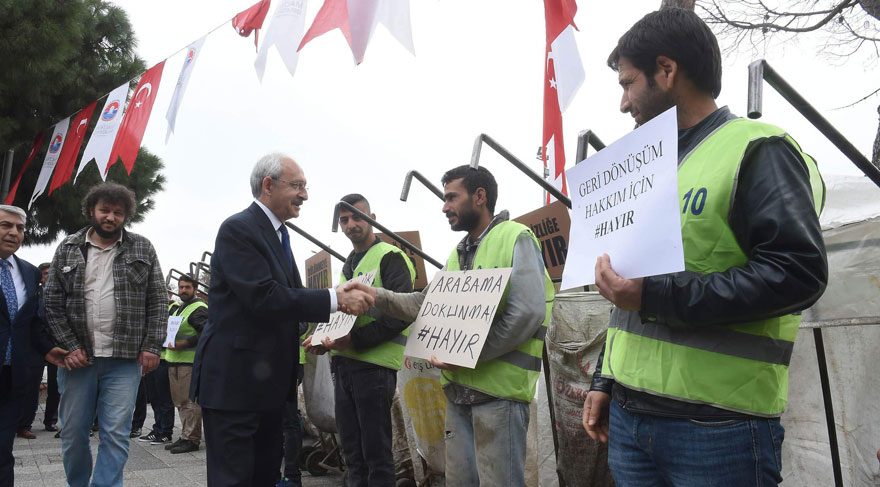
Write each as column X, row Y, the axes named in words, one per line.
column 695, row 367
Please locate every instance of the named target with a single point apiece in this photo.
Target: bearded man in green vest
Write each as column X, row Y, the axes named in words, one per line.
column 180, row 358
column 695, row 365
column 487, row 408
column 365, row 362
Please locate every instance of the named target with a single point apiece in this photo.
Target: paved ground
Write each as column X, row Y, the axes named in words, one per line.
column 38, row 463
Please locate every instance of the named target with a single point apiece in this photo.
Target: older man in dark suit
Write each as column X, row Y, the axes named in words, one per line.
column 246, row 360
column 21, row 330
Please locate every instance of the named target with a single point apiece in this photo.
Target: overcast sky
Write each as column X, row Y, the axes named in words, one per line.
column 477, row 69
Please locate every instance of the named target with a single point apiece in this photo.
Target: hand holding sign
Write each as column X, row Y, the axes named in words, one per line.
column 626, row 294
column 171, row 330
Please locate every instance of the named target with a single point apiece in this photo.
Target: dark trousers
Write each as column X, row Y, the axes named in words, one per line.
column 31, row 400
column 159, row 397
column 293, row 435
column 50, row 417
column 10, row 410
column 243, row 447
column 363, row 417
column 140, row 407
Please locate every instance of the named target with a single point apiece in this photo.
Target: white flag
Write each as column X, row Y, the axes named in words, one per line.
column 192, row 52
column 285, row 32
column 101, row 142
column 55, row 144
column 568, row 67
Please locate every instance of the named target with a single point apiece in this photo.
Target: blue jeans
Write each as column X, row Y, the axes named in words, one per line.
column 486, row 444
column 646, row 450
column 107, row 388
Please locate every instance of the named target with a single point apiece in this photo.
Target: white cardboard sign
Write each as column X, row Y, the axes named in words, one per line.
column 174, row 323
column 625, row 204
column 340, row 324
column 456, row 315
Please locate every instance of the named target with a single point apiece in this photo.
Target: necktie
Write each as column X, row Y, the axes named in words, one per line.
column 285, row 248
column 9, row 293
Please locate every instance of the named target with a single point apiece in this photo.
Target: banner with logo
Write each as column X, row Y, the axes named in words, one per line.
column 192, row 53
column 104, row 135
column 56, row 142
column 285, row 33
column 134, row 124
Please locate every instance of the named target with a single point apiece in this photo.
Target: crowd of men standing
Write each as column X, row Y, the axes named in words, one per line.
column 689, row 389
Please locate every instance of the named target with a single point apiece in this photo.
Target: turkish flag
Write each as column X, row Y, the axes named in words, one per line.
column 134, row 123
column 563, row 76
column 75, row 135
column 38, row 143
column 251, row 20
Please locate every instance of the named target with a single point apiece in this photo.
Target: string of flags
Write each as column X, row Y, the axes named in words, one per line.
column 123, row 119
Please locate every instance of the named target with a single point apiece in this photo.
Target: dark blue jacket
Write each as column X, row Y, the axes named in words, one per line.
column 29, row 335
column 248, row 353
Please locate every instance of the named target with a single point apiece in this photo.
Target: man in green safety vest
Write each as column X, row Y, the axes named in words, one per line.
column 694, row 374
column 194, row 313
column 487, row 412
column 365, row 362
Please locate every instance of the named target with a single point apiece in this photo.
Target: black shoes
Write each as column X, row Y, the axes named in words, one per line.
column 185, row 446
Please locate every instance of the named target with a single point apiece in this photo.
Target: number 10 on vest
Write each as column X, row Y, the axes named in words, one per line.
column 340, row 324
column 456, row 315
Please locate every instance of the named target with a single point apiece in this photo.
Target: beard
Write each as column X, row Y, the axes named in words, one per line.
column 96, row 226
column 466, row 220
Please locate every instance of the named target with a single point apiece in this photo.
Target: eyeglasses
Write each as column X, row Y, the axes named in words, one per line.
column 296, row 185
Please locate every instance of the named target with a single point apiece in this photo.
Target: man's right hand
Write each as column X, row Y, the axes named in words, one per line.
column 77, row 359
column 595, row 418
column 355, row 300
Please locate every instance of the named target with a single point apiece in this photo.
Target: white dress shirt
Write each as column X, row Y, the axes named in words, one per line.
column 20, row 289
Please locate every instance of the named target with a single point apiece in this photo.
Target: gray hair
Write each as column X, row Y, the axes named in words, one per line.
column 15, row 211
column 268, row 166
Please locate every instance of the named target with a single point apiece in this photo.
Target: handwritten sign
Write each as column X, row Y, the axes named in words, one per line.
column 171, row 330
column 456, row 315
column 318, row 271
column 625, row 204
column 551, row 225
column 418, row 262
column 340, row 324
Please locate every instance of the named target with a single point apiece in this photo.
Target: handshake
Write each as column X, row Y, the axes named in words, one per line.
column 355, row 298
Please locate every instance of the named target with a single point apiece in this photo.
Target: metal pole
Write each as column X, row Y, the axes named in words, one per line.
column 407, row 182
column 406, row 243
column 315, row 241
column 587, row 138
column 761, row 70
column 546, row 360
column 475, row 163
column 7, row 174
column 829, row 407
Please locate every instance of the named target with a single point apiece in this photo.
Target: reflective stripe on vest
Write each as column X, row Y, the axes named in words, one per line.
column 390, row 353
column 186, row 356
column 740, row 367
column 513, row 375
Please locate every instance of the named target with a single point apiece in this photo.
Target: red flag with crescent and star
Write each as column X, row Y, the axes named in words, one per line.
column 131, row 131
column 79, row 125
column 563, row 75
column 251, row 20
column 38, row 143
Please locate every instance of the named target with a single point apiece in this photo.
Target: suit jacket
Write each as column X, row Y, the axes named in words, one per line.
column 247, row 356
column 29, row 335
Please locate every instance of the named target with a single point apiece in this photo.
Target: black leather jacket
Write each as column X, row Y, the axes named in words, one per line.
column 774, row 221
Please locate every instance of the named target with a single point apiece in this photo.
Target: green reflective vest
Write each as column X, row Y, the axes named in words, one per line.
column 390, row 353
column 513, row 375
column 186, row 356
column 741, row 367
